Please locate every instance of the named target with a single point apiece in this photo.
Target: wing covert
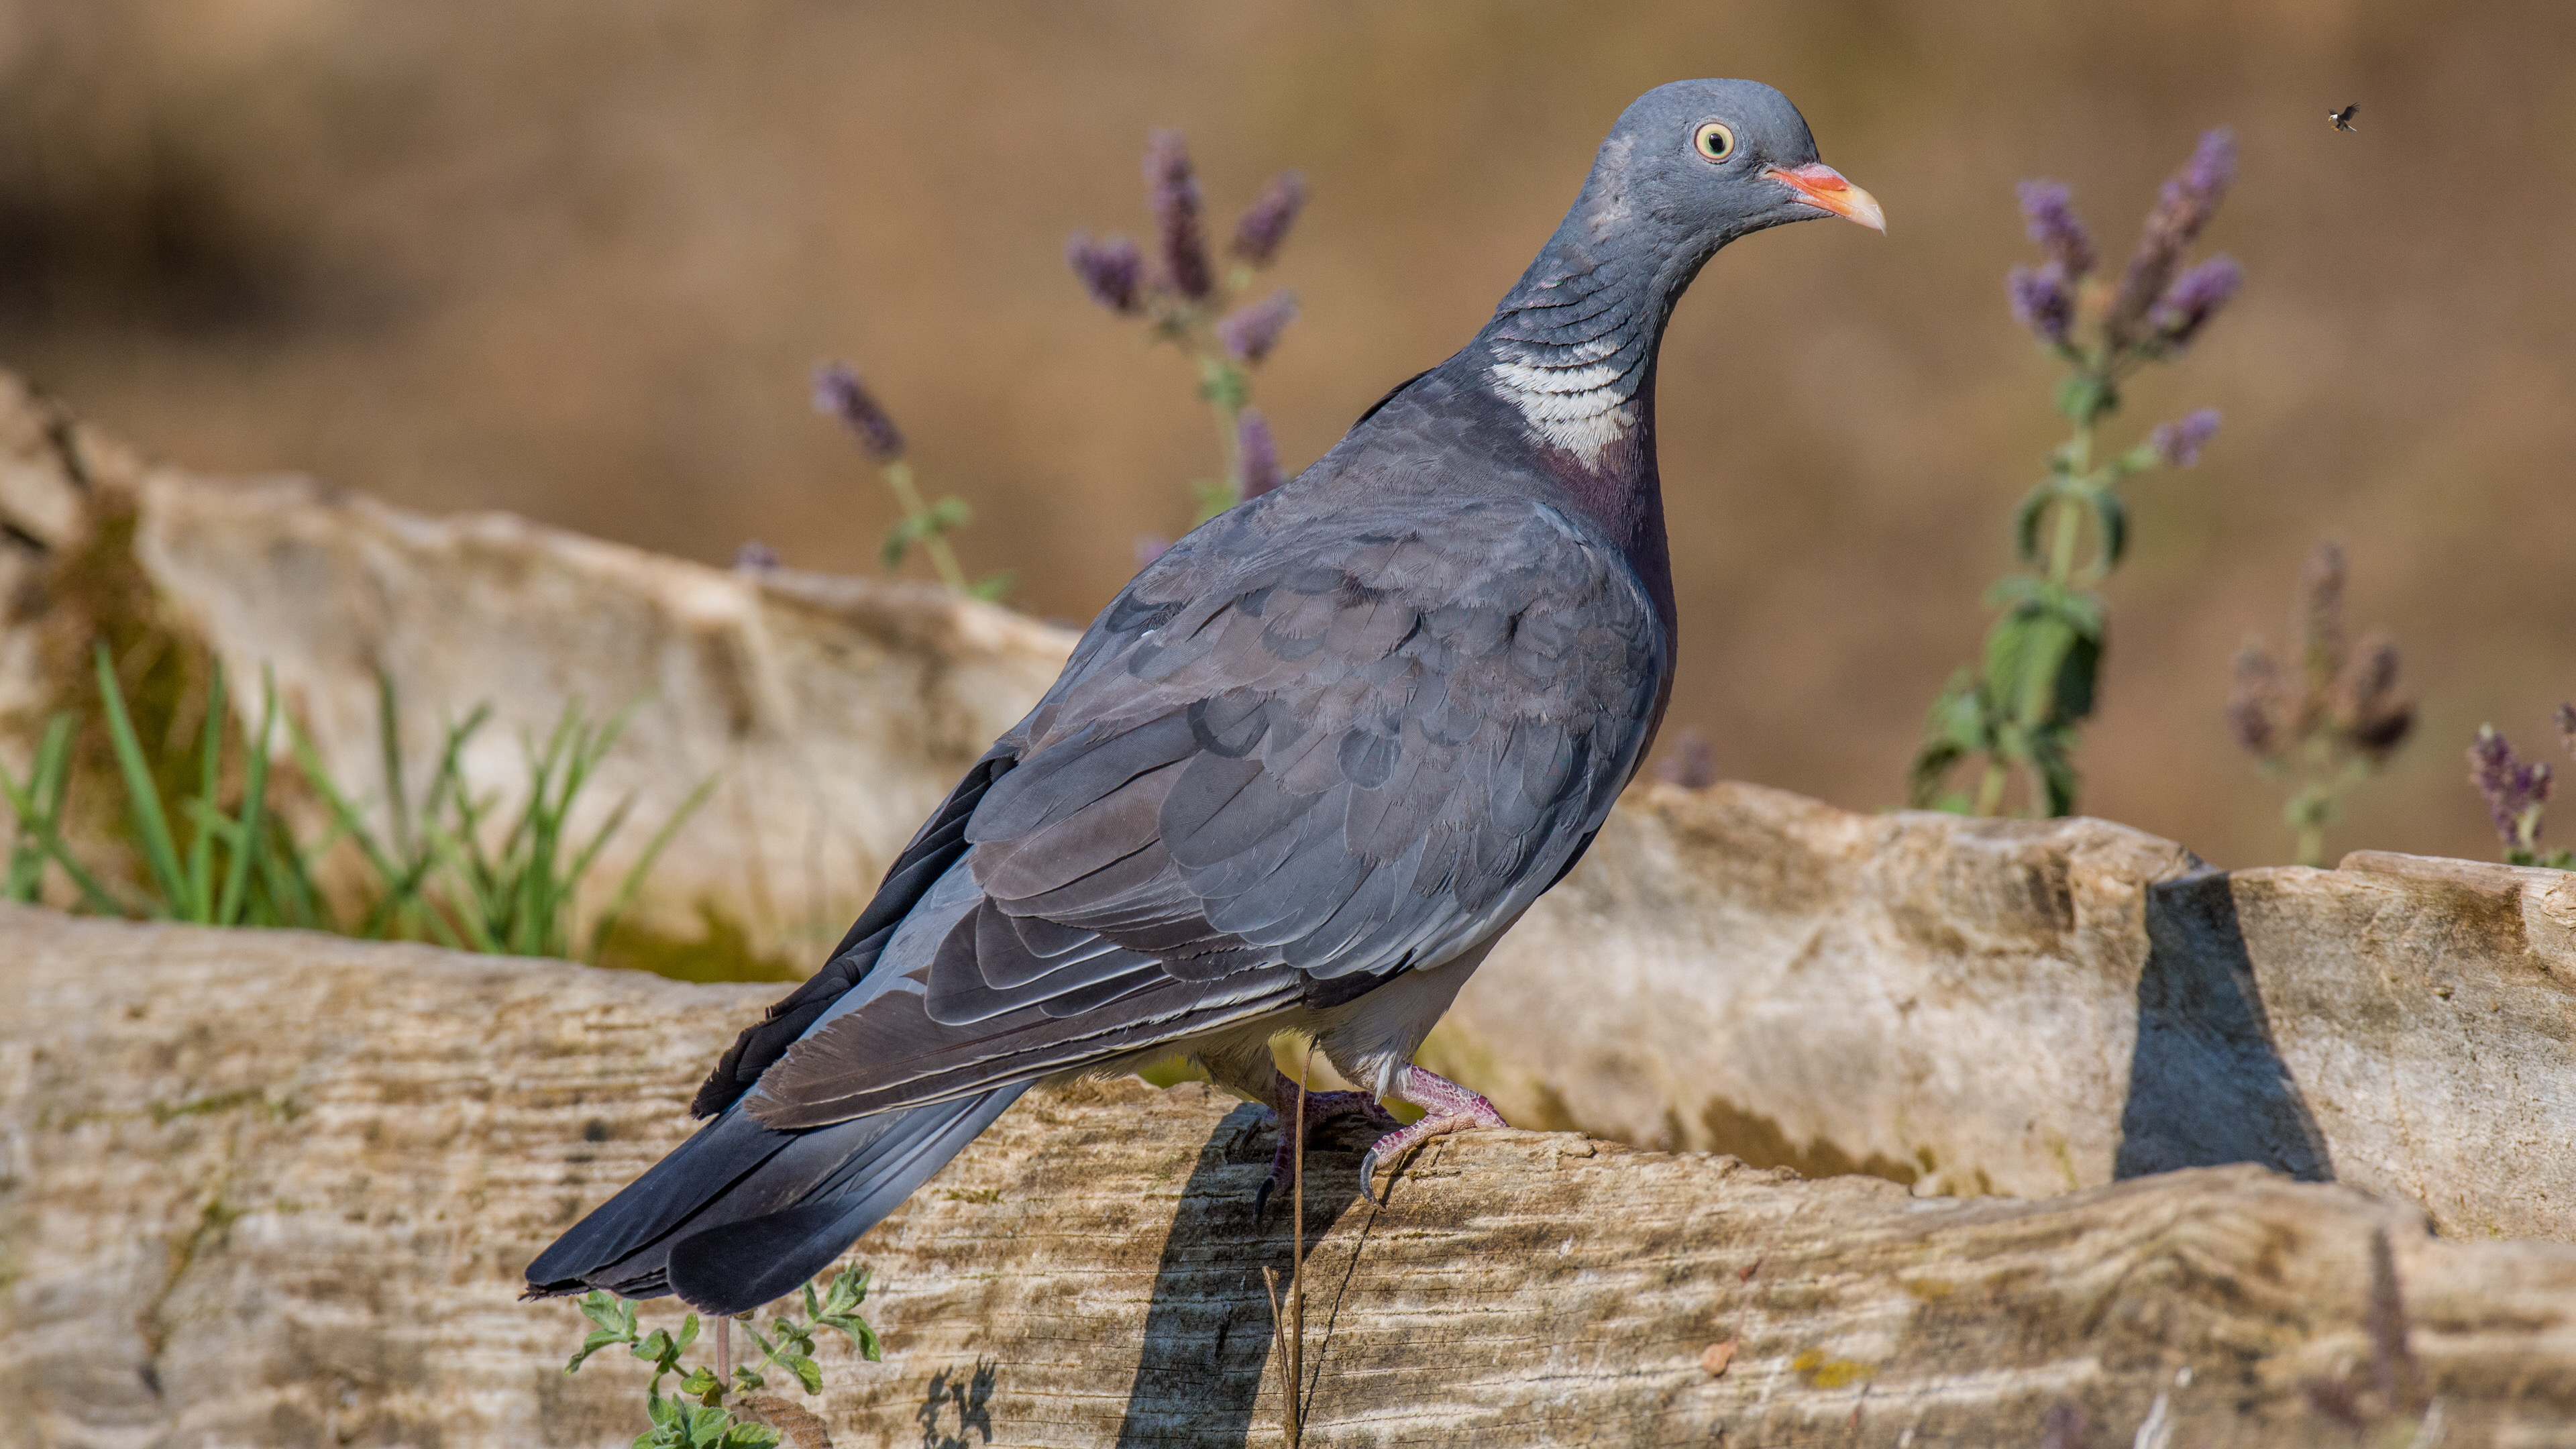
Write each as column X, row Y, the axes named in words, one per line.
column 1276, row 763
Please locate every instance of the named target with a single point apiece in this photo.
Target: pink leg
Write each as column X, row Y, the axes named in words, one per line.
column 1324, row 1111
column 1449, row 1108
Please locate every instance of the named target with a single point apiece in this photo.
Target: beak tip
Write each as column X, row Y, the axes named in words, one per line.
column 1824, row 188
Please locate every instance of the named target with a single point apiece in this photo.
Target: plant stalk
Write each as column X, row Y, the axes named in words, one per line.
column 1990, row 788
column 1297, row 1263
column 898, row 476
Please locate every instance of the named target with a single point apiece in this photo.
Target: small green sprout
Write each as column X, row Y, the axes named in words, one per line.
column 697, row 1413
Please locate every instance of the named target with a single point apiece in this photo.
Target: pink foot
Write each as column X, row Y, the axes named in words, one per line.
column 1450, row 1108
column 1325, row 1111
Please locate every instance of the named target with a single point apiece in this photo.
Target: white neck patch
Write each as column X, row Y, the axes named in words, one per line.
column 1582, row 409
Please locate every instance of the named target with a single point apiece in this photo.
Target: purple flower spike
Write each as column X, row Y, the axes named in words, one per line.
column 1110, row 270
column 2185, row 206
column 2254, row 706
column 2567, row 726
column 838, row 391
column 2057, row 229
column 1256, row 455
column 2211, row 170
column 2179, row 443
column 1265, row 225
column 1248, row 333
column 2514, row 791
column 2193, row 299
column 1172, row 190
column 2041, row 301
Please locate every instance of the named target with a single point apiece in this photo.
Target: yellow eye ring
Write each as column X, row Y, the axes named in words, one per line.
column 1715, row 140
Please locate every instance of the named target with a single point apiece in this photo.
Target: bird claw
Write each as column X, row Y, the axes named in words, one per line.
column 1453, row 1109
column 1324, row 1111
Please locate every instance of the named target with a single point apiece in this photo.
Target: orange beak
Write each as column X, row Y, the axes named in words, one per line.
column 1820, row 185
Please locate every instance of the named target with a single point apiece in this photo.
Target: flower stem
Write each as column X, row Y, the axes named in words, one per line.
column 1990, row 790
column 898, row 476
column 2070, row 515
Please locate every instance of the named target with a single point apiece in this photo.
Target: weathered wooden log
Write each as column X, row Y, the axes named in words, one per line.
column 2029, row 1007
column 275, row 1188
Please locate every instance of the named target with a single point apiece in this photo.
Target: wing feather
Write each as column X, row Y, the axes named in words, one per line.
column 1338, row 750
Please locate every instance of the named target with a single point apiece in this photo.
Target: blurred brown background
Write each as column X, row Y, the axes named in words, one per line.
column 575, row 259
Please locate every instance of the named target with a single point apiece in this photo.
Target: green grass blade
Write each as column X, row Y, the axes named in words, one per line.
column 389, row 751
column 142, row 798
column 39, row 808
column 582, row 858
column 344, row 812
column 254, row 836
column 288, row 885
column 210, row 777
column 628, row 888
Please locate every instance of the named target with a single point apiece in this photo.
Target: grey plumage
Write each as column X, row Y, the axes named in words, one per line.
column 1298, row 775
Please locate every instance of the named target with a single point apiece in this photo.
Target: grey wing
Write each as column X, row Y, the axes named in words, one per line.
column 1285, row 777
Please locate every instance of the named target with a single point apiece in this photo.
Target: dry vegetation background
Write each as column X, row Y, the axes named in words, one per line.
column 575, row 259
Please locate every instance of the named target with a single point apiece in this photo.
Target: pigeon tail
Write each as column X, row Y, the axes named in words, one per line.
column 741, row 1214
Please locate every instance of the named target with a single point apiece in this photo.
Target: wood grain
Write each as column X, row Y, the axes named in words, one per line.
column 275, row 1189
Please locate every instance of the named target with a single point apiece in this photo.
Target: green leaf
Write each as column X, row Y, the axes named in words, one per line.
column 1956, row 727
column 598, row 1339
column 747, row 1381
column 2081, row 611
column 808, row 1372
column 604, row 1310
column 948, row 514
column 848, row 1290
column 2112, row 513
column 2051, row 753
column 750, row 1436
column 2077, row 674
column 1928, row 772
column 992, row 587
column 699, row 1383
column 869, row 1348
column 2026, row 518
column 2022, row 652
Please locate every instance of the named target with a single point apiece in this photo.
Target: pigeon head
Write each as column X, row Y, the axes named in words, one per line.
column 1693, row 165
column 1690, row 166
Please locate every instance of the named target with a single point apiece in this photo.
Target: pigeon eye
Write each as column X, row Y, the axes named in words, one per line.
column 1716, row 140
